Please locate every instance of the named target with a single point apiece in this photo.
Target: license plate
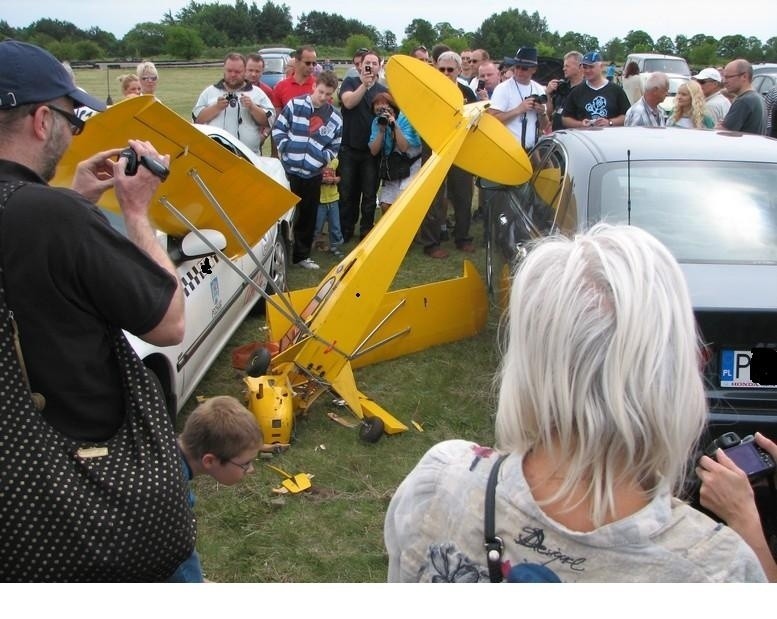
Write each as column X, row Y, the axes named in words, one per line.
column 735, row 370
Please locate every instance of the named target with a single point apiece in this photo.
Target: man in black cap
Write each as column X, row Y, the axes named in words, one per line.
column 596, row 102
column 520, row 102
column 72, row 281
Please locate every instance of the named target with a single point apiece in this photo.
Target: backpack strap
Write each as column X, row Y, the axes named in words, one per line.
column 494, row 545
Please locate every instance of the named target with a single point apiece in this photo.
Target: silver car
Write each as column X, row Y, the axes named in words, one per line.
column 711, row 198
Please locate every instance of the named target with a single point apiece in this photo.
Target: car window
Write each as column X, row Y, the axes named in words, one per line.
column 274, row 65
column 702, row 211
column 666, row 65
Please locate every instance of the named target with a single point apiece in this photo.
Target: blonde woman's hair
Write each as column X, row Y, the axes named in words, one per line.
column 601, row 366
column 126, row 80
column 696, row 109
column 147, row 68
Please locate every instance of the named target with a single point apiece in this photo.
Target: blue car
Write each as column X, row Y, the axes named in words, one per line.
column 711, row 198
column 276, row 60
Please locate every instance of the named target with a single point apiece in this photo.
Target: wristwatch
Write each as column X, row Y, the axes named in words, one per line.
column 610, row 123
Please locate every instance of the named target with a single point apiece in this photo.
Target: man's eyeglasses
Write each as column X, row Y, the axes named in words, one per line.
column 702, row 81
column 149, row 78
column 310, row 63
column 76, row 124
column 728, row 77
column 246, row 467
column 446, row 69
column 520, row 68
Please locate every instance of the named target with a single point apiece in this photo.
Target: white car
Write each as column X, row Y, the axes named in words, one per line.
column 217, row 298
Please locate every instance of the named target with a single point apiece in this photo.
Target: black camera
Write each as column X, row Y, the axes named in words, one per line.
column 542, row 99
column 748, row 456
column 231, row 99
column 563, row 87
column 481, row 84
column 368, row 68
column 156, row 167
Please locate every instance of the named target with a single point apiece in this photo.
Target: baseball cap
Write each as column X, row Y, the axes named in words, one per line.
column 30, row 74
column 591, row 58
column 709, row 74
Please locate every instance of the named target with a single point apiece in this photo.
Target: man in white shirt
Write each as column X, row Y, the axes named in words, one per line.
column 520, row 102
column 234, row 104
column 645, row 112
column 711, row 83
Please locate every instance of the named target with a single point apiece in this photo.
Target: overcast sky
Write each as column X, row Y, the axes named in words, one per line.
column 604, row 19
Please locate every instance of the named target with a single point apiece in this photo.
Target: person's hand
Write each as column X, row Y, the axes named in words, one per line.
column 246, row 101
column 726, row 490
column 769, row 446
column 551, row 87
column 221, row 103
column 94, row 176
column 134, row 193
column 482, row 94
column 368, row 77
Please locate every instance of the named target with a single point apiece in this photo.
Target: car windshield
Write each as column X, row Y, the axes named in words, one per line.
column 666, row 65
column 274, row 65
column 703, row 211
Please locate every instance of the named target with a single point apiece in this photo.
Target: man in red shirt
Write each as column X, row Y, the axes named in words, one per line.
column 300, row 83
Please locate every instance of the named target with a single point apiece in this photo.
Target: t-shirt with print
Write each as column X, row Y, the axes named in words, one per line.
column 608, row 101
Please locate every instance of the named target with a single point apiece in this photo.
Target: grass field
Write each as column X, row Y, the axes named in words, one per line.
column 333, row 533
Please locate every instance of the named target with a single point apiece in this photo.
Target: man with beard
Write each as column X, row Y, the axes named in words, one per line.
column 72, row 281
column 235, row 105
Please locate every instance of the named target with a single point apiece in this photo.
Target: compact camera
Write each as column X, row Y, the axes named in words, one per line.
column 231, row 99
column 563, row 87
column 481, row 84
column 368, row 68
column 748, row 456
column 543, row 98
column 156, row 167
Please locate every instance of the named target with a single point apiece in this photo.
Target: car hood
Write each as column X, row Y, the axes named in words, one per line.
column 744, row 287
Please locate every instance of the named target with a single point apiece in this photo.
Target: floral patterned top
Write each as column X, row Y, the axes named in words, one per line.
column 434, row 532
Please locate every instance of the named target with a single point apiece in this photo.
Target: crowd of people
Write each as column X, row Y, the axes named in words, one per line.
column 93, row 480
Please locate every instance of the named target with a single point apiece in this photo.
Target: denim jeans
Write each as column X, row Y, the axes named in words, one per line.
column 330, row 213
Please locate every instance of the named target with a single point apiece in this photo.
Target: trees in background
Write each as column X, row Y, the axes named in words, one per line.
column 204, row 29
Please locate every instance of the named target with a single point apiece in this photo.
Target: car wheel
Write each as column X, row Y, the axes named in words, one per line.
column 278, row 268
column 371, row 430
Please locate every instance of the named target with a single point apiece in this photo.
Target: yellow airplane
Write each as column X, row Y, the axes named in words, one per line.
column 351, row 318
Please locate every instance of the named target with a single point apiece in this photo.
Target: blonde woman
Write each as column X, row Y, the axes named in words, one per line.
column 149, row 78
column 130, row 85
column 689, row 104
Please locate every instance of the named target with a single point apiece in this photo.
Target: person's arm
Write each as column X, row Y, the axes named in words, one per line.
column 377, row 136
column 204, row 112
column 134, row 195
column 726, row 491
column 351, row 98
column 258, row 112
column 94, row 176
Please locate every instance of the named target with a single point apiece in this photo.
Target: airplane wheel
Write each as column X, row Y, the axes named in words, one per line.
column 259, row 362
column 371, row 430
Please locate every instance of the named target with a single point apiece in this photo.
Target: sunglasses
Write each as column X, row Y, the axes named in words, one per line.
column 446, row 69
column 310, row 63
column 76, row 124
column 149, row 78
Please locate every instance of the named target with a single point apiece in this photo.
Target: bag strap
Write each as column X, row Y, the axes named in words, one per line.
column 38, row 399
column 494, row 545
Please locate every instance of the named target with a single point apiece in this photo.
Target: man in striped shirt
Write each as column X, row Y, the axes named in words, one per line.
column 645, row 112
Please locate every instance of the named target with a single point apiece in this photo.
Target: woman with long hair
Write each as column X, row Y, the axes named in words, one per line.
column 689, row 104
column 601, row 404
column 631, row 81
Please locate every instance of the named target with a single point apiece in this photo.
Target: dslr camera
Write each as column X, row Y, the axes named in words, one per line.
column 384, row 117
column 231, row 99
column 563, row 87
column 748, row 456
column 542, row 99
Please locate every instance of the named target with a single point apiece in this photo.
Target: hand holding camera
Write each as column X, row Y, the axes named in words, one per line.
column 231, row 99
column 155, row 166
column 134, row 189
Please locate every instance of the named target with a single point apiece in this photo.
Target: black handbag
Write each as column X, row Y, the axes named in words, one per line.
column 395, row 166
column 75, row 511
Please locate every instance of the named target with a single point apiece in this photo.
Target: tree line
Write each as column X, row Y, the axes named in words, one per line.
column 202, row 30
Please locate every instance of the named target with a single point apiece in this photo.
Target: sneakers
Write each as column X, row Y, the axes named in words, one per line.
column 307, row 263
column 336, row 252
column 436, row 252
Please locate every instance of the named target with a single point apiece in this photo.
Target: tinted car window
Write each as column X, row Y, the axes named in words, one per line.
column 667, row 65
column 702, row 211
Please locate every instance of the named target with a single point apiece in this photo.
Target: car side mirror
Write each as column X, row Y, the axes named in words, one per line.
column 192, row 246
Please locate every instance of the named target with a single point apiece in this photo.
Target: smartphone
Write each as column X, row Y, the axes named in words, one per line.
column 368, row 68
column 481, row 84
column 752, row 460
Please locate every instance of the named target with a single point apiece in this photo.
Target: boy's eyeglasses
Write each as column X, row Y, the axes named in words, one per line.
column 246, row 467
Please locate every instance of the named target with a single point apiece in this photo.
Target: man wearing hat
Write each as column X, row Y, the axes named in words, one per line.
column 596, row 102
column 70, row 279
column 711, row 84
column 520, row 102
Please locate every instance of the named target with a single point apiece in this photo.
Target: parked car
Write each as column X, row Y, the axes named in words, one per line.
column 764, row 81
column 275, row 61
column 649, row 63
column 217, row 299
column 709, row 197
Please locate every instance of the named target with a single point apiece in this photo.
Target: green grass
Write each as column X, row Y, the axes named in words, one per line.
column 333, row 533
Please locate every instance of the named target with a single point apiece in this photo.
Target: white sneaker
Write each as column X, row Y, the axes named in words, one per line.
column 307, row 263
